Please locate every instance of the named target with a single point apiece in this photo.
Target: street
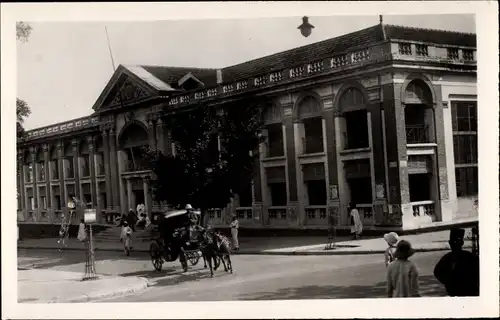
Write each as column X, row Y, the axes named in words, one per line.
column 255, row 277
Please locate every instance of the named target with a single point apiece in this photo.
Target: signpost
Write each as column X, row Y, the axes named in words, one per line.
column 89, row 217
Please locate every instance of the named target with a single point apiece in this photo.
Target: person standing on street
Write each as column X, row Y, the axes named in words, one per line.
column 458, row 270
column 356, row 224
column 402, row 274
column 126, row 237
column 235, row 225
column 392, row 239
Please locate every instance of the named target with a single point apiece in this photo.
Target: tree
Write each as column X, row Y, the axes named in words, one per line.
column 22, row 111
column 23, row 31
column 196, row 174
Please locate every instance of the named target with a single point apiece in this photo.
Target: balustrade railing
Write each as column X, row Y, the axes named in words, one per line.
column 277, row 213
column 416, row 134
column 315, row 212
column 132, row 166
column 424, row 208
column 244, row 213
column 214, row 213
column 353, row 142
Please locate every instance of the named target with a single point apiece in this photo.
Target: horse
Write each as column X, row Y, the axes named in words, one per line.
column 224, row 250
column 209, row 250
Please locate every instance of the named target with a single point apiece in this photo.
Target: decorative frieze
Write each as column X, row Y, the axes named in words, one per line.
column 67, row 126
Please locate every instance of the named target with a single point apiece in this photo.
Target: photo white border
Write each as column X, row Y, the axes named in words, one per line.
column 487, row 36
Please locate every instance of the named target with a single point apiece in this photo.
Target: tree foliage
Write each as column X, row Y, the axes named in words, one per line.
column 198, row 174
column 23, row 31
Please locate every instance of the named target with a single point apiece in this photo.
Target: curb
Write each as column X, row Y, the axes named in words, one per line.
column 270, row 253
column 144, row 283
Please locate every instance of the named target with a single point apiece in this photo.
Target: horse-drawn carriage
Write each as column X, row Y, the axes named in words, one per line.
column 179, row 239
column 182, row 237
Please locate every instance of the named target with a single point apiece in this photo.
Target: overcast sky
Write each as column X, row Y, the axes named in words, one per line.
column 65, row 65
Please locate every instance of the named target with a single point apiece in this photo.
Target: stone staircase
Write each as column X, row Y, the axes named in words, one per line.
column 112, row 234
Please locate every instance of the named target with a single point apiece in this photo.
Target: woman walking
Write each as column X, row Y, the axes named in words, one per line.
column 402, row 274
column 356, row 224
column 235, row 225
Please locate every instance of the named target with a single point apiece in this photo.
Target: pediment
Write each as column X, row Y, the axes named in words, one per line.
column 128, row 93
column 130, row 85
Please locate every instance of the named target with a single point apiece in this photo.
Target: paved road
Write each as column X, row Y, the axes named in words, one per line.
column 254, row 277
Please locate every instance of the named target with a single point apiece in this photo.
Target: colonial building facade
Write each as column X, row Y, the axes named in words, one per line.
column 385, row 117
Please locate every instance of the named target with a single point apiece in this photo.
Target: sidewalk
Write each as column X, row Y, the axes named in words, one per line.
column 55, row 286
column 432, row 241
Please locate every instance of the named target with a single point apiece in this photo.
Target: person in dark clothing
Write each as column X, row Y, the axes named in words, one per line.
column 458, row 270
column 132, row 219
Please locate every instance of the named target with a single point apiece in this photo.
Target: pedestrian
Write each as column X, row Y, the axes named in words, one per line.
column 132, row 219
column 235, row 225
column 126, row 237
column 356, row 224
column 392, row 239
column 402, row 274
column 458, row 270
column 82, row 233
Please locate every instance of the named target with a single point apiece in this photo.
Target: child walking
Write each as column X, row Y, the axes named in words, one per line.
column 126, row 237
column 402, row 274
column 392, row 239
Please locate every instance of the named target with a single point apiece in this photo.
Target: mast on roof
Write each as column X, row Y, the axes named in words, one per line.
column 381, row 18
column 109, row 47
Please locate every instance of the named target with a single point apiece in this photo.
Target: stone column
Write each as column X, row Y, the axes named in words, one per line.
column 107, row 167
column 398, row 194
column 21, row 190
column 147, row 197
column 48, row 191
column 74, row 145
column 152, row 133
column 114, row 168
column 35, row 187
column 62, row 187
column 129, row 194
column 162, row 140
column 93, row 191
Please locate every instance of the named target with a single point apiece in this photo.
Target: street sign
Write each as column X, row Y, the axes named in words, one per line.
column 89, row 216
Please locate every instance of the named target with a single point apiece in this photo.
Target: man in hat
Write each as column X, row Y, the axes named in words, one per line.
column 402, row 274
column 458, row 270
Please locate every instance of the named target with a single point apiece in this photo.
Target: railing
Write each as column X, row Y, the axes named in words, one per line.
column 277, row 213
column 244, row 213
column 315, row 212
column 416, row 134
column 365, row 212
column 59, row 128
column 214, row 213
column 136, row 166
column 312, row 145
column 55, row 174
column 424, row 208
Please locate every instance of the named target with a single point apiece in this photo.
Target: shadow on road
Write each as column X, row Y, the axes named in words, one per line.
column 429, row 287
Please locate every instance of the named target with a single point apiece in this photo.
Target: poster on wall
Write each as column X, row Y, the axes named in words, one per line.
column 380, row 191
column 334, row 193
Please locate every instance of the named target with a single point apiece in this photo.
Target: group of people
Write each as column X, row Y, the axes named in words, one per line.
column 129, row 222
column 457, row 270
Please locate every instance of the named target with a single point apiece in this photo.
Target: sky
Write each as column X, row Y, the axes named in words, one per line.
column 64, row 66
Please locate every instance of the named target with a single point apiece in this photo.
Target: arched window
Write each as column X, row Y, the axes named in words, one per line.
column 133, row 140
column 352, row 105
column 309, row 112
column 418, row 112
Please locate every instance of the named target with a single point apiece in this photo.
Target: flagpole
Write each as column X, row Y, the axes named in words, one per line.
column 109, row 47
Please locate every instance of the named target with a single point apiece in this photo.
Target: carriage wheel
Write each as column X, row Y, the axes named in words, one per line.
column 156, row 258
column 194, row 258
